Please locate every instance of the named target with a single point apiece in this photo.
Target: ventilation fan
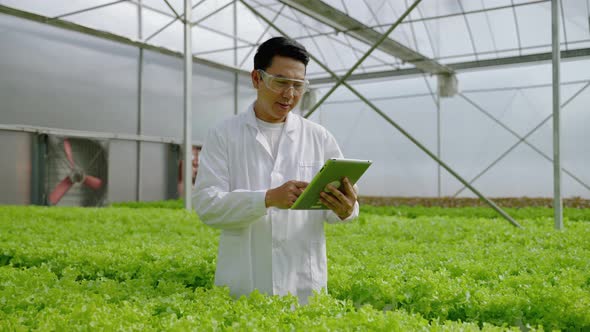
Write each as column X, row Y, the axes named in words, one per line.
column 76, row 171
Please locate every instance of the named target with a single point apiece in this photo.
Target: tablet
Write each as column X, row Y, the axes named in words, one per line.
column 332, row 172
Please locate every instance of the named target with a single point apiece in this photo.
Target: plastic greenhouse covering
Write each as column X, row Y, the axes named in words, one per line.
column 496, row 131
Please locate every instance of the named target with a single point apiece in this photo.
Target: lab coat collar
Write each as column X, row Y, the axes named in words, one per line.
column 291, row 123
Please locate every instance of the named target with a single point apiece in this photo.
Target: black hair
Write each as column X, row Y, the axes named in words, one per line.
column 279, row 46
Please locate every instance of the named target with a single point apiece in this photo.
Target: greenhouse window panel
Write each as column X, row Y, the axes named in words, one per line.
column 53, row 8
column 177, row 5
column 340, row 21
column 251, row 28
column 162, row 30
column 115, row 18
column 576, row 20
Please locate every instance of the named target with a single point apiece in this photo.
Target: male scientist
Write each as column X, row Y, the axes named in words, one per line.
column 253, row 167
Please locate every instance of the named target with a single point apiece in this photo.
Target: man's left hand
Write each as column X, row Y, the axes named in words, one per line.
column 340, row 201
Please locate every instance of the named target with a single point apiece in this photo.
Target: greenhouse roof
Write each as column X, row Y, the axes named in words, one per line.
column 436, row 37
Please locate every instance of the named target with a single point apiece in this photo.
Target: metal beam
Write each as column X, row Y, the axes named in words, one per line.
column 188, row 114
column 460, row 66
column 556, row 59
column 236, row 78
column 92, row 134
column 342, row 22
column 139, row 173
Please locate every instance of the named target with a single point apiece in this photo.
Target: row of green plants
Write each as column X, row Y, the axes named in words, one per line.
column 570, row 214
column 151, row 267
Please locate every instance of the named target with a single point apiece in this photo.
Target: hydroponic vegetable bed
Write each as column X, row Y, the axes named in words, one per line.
column 151, row 266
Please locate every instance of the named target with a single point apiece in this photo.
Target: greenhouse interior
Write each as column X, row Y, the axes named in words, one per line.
column 474, row 214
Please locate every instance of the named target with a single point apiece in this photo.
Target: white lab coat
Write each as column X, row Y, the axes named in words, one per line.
column 275, row 251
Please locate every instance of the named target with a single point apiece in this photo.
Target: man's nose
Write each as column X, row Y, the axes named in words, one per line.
column 289, row 92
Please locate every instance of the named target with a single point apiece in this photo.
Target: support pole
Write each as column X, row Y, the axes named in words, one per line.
column 557, row 201
column 236, row 78
column 139, row 102
column 341, row 81
column 438, row 145
column 188, row 75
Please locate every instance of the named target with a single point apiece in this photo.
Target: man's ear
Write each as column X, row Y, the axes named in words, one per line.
column 255, row 75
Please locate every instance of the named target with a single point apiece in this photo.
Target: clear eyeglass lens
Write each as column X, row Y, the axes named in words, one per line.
column 279, row 84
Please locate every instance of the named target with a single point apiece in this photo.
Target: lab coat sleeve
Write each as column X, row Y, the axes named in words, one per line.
column 213, row 201
column 331, row 150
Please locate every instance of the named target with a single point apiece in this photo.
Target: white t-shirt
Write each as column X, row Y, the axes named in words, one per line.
column 272, row 133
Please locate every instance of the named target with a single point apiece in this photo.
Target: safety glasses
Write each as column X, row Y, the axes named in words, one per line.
column 281, row 84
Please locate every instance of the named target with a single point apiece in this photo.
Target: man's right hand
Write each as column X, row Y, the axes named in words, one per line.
column 284, row 196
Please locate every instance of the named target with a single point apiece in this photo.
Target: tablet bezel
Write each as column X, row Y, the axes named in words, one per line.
column 333, row 170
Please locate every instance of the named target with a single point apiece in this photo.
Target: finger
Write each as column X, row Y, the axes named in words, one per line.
column 336, row 208
column 299, row 192
column 349, row 189
column 301, row 184
column 292, row 198
column 330, row 205
column 339, row 205
column 336, row 192
column 331, row 199
column 293, row 189
column 346, row 186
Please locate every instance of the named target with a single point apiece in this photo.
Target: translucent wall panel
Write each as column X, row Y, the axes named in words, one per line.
column 120, row 18
column 163, row 96
column 518, row 97
column 172, row 37
column 95, row 87
column 484, row 39
column 246, row 93
column 480, row 141
column 219, row 18
column 252, row 28
column 15, row 174
column 154, row 171
column 577, row 14
column 531, row 32
column 56, row 78
column 178, row 5
column 122, row 171
column 53, row 8
column 213, row 98
column 164, row 100
column 400, row 168
column 454, row 37
column 246, row 57
column 206, row 8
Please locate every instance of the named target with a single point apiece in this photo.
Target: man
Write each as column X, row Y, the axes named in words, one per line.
column 253, row 167
column 195, row 164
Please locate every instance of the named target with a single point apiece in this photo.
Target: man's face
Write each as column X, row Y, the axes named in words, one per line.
column 274, row 106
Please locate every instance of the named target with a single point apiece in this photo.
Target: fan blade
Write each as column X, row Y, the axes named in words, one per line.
column 68, row 150
column 60, row 190
column 93, row 182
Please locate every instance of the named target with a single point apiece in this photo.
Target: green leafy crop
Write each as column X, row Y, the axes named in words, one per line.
column 150, row 267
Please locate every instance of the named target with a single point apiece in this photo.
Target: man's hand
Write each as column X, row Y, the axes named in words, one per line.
column 341, row 202
column 284, row 196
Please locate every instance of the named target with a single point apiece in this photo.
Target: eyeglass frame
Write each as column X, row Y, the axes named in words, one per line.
column 264, row 75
